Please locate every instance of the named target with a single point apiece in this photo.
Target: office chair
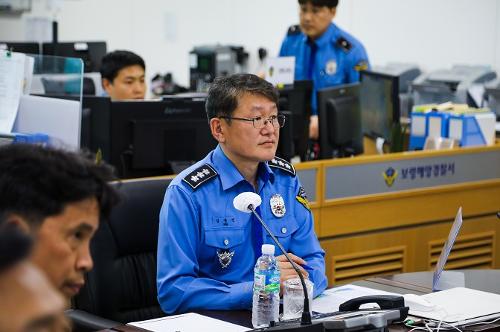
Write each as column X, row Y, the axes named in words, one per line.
column 122, row 285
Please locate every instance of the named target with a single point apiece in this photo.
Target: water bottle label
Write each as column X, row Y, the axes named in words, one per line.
column 267, row 282
column 259, row 281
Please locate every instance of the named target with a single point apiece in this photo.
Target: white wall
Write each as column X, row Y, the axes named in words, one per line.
column 432, row 33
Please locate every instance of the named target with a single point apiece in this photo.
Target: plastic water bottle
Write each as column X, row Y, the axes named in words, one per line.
column 266, row 289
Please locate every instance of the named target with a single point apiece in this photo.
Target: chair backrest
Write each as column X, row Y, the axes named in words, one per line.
column 122, row 284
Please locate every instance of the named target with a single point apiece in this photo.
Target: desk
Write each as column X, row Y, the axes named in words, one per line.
column 417, row 283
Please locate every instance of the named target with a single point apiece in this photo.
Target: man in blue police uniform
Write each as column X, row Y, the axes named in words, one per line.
column 323, row 52
column 206, row 248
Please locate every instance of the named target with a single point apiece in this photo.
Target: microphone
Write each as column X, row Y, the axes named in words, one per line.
column 247, row 202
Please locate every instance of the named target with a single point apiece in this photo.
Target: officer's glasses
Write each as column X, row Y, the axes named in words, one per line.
column 278, row 121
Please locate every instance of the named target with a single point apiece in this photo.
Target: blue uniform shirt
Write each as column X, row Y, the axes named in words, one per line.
column 338, row 58
column 198, row 222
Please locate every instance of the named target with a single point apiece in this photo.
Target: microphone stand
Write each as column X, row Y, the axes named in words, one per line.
column 306, row 313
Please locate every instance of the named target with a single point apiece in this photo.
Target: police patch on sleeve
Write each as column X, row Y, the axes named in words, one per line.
column 199, row 176
column 282, row 164
column 302, row 198
column 362, row 65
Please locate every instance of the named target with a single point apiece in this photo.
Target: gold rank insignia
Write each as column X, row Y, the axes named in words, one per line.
column 302, row 198
column 362, row 65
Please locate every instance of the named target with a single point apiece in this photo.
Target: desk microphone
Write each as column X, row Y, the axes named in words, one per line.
column 247, row 202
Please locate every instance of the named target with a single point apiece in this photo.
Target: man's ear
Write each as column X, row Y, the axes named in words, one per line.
column 216, row 127
column 333, row 12
column 18, row 221
column 106, row 84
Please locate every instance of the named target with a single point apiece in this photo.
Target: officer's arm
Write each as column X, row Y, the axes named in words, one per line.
column 180, row 288
column 358, row 61
column 305, row 244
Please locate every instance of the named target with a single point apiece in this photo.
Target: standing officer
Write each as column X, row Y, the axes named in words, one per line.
column 206, row 248
column 323, row 52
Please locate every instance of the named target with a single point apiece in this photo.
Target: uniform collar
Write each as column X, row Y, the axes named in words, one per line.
column 330, row 34
column 229, row 174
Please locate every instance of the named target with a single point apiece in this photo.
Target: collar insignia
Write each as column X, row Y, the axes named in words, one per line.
column 282, row 164
column 199, row 176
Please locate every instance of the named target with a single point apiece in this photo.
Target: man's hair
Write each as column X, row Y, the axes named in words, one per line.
column 15, row 245
column 321, row 3
column 115, row 61
column 225, row 92
column 37, row 182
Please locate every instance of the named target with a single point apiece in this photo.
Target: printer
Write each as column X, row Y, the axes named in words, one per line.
column 406, row 72
column 453, row 85
column 492, row 96
column 210, row 61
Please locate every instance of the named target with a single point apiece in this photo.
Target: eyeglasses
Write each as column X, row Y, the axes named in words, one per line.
column 278, row 121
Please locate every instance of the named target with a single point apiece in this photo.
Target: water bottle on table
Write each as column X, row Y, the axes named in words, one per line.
column 266, row 289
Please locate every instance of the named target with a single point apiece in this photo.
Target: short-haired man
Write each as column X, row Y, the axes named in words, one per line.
column 206, row 248
column 323, row 52
column 123, row 75
column 28, row 301
column 58, row 197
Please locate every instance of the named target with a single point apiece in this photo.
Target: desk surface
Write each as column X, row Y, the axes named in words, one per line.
column 416, row 283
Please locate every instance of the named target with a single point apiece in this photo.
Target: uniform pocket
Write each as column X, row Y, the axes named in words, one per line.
column 224, row 238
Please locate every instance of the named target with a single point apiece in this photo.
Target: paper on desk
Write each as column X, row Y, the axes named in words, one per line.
column 189, row 322
column 12, row 67
column 332, row 298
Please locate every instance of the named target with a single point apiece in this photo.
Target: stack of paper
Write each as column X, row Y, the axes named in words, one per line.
column 189, row 322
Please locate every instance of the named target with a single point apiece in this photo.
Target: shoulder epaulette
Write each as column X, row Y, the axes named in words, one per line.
column 282, row 164
column 293, row 30
column 344, row 44
column 199, row 176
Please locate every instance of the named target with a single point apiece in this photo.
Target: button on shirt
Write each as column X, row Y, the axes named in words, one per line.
column 334, row 62
column 196, row 225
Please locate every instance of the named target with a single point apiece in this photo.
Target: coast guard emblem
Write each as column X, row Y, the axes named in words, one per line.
column 390, row 175
column 225, row 257
column 277, row 205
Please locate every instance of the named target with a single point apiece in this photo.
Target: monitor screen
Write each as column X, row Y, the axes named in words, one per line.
column 147, row 137
column 21, row 47
column 339, row 121
column 91, row 54
column 296, row 101
column 379, row 104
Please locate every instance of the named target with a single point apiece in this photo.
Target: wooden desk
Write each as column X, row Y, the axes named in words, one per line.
column 416, row 283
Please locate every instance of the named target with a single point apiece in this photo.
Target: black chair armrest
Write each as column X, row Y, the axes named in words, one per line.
column 86, row 322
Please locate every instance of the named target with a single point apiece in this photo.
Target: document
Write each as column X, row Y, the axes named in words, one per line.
column 332, row 298
column 189, row 322
column 12, row 67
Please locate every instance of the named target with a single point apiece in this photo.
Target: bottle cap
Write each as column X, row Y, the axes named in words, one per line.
column 268, row 249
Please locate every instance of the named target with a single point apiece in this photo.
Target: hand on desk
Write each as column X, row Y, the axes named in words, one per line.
column 287, row 270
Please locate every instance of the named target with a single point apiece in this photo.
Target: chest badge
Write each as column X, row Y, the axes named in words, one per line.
column 331, row 67
column 225, row 257
column 277, row 205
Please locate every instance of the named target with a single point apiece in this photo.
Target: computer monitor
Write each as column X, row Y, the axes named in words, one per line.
column 380, row 109
column 21, row 47
column 339, row 118
column 158, row 137
column 91, row 54
column 296, row 100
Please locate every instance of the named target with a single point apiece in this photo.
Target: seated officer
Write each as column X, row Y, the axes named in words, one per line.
column 28, row 302
column 123, row 75
column 58, row 197
column 206, row 248
column 323, row 52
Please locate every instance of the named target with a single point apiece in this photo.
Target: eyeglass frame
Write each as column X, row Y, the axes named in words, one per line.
column 271, row 119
